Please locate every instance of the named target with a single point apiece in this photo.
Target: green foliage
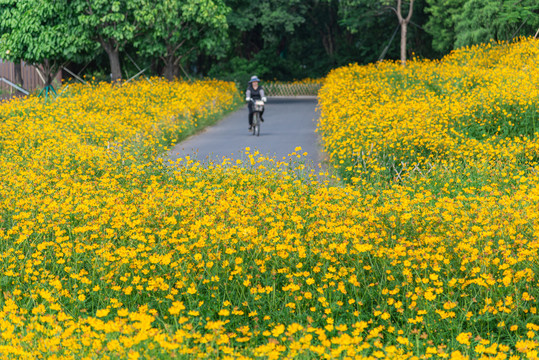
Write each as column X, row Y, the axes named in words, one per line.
column 441, row 23
column 475, row 23
column 178, row 28
column 240, row 71
column 271, row 38
column 117, row 21
column 113, row 24
column 41, row 32
column 457, row 23
column 297, row 40
column 375, row 26
column 261, row 34
column 355, row 12
column 271, row 17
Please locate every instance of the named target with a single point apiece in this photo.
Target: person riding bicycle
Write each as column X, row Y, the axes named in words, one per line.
column 254, row 92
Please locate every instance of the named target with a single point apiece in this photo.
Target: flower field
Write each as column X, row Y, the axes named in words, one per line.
column 475, row 108
column 448, row 151
column 429, row 248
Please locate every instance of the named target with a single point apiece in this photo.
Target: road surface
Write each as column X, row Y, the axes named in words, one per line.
column 289, row 123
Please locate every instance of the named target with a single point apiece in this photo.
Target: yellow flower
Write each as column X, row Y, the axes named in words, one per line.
column 464, row 338
column 176, row 308
column 224, row 312
column 403, row 341
column 102, row 312
column 430, row 296
column 277, row 330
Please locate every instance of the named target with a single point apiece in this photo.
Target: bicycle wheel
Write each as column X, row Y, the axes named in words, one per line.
column 256, row 122
column 257, row 128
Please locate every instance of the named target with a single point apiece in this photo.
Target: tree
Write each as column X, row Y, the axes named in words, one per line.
column 113, row 24
column 316, row 44
column 41, row 33
column 322, row 42
column 180, row 27
column 404, row 21
column 7, row 21
column 263, row 23
column 441, row 23
column 324, row 16
column 403, row 10
column 17, row 70
column 484, row 20
column 259, row 33
column 456, row 23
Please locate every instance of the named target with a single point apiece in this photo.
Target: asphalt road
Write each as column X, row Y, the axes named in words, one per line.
column 288, row 123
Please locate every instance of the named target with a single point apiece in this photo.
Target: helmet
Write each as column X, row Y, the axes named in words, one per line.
column 254, row 78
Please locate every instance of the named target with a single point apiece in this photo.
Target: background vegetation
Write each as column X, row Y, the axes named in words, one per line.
column 233, row 39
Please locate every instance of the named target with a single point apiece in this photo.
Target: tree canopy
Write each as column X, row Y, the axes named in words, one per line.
column 457, row 23
column 441, row 23
column 180, row 27
column 234, row 39
column 41, row 32
column 484, row 20
column 113, row 25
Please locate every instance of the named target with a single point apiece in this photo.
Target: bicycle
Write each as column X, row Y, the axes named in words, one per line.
column 258, row 107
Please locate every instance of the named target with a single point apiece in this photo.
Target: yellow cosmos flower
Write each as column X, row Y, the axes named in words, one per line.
column 102, row 312
column 464, row 338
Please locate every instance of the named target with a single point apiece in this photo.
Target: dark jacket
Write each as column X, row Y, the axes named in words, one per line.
column 257, row 94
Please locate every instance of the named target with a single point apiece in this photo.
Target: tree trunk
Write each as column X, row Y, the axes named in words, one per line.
column 18, row 74
column 170, row 71
column 327, row 41
column 115, row 68
column 47, row 72
column 114, row 59
column 155, row 67
column 404, row 30
column 328, row 45
column 404, row 27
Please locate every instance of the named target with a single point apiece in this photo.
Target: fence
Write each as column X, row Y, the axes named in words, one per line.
column 305, row 88
column 31, row 78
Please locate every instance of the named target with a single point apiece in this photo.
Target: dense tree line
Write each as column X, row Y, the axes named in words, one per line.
column 231, row 39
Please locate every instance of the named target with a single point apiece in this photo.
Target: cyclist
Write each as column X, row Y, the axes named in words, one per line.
column 254, row 92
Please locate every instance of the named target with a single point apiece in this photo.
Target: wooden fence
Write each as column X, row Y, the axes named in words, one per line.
column 291, row 89
column 31, row 78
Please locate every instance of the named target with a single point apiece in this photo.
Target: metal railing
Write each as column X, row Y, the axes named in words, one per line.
column 15, row 86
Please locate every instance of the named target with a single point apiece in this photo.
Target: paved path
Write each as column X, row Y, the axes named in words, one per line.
column 289, row 122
